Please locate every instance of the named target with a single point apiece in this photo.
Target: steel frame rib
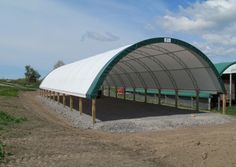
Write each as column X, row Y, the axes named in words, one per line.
column 118, row 75
column 106, row 82
column 130, row 79
column 118, row 70
column 172, row 55
column 138, row 74
column 158, row 71
column 165, row 69
column 112, row 79
column 150, row 55
column 150, row 72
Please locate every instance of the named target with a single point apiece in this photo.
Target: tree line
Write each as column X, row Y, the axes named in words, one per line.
column 32, row 75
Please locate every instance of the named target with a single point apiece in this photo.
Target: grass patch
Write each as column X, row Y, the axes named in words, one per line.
column 231, row 110
column 11, row 88
column 7, row 119
column 2, row 152
column 8, row 91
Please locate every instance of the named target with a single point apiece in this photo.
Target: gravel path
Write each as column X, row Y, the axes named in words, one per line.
column 148, row 123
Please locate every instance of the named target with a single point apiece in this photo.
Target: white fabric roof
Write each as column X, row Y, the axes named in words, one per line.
column 158, row 63
column 76, row 78
column 231, row 69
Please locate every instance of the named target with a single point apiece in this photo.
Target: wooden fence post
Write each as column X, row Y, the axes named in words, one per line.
column 145, row 95
column 94, row 110
column 224, row 104
column 58, row 97
column 64, row 100
column 80, row 105
column 197, row 100
column 159, row 96
column 71, row 103
column 176, row 98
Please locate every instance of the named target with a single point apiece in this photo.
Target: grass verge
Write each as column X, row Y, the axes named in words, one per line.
column 231, row 110
column 2, row 152
column 7, row 119
column 8, row 91
column 12, row 87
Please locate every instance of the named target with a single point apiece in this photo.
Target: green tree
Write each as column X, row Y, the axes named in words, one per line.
column 31, row 75
column 59, row 63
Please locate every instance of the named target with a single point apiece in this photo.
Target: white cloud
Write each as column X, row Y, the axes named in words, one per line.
column 183, row 23
column 213, row 21
column 104, row 37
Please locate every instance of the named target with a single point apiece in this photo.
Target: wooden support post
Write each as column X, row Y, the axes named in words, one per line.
column 192, row 104
column 230, row 89
column 71, row 103
column 134, row 93
column 116, row 92
column 51, row 95
column 80, row 105
column 159, row 96
column 124, row 94
column 176, row 98
column 145, row 95
column 109, row 91
column 58, row 98
column 64, row 100
column 218, row 108
column 197, row 100
column 102, row 91
column 94, row 110
column 54, row 96
column 209, row 103
column 224, row 103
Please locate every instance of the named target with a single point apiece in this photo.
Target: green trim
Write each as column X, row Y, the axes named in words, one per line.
column 93, row 89
column 172, row 92
column 221, row 67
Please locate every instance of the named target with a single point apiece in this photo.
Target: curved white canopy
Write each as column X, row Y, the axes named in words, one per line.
column 158, row 63
column 231, row 69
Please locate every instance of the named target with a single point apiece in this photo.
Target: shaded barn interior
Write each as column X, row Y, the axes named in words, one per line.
column 116, row 108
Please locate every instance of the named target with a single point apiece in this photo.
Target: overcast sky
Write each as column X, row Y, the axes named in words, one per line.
column 41, row 32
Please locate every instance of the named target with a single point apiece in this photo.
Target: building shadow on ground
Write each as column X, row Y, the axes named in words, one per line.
column 109, row 109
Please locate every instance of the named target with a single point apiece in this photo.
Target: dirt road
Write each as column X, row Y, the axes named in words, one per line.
column 45, row 140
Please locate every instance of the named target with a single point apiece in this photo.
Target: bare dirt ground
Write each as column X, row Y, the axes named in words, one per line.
column 46, row 140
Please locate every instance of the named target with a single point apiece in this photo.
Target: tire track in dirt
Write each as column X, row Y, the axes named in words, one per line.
column 54, row 143
column 31, row 104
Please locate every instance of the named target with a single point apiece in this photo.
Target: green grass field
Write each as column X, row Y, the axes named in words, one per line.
column 231, row 110
column 11, row 88
column 8, row 91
